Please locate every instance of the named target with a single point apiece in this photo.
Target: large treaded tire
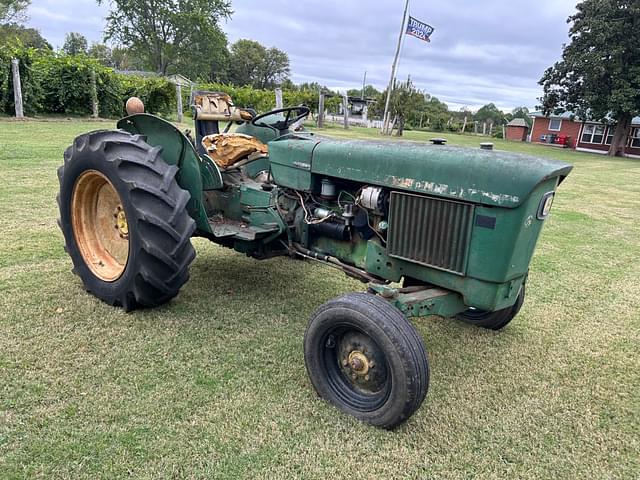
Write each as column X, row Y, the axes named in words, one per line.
column 159, row 227
column 406, row 378
column 493, row 320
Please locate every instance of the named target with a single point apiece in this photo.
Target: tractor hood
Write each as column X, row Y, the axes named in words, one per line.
column 493, row 177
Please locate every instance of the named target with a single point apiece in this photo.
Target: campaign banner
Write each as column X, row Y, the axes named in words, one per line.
column 419, row 29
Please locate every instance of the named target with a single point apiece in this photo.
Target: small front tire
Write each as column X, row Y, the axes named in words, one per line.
column 367, row 359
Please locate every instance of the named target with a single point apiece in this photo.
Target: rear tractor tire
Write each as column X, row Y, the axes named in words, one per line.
column 124, row 220
column 493, row 320
column 366, row 358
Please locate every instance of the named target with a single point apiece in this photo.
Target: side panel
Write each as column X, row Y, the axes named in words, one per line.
column 291, row 163
column 503, row 240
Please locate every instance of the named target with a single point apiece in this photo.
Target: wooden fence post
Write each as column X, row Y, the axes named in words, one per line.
column 94, row 95
column 321, row 110
column 17, row 87
column 345, row 111
column 279, row 103
column 179, row 98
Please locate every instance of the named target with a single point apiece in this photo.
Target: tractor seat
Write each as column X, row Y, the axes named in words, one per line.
column 226, row 149
column 218, row 107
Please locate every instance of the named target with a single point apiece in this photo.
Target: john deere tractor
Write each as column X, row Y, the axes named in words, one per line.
column 430, row 230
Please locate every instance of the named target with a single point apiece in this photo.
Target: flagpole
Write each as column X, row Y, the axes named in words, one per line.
column 385, row 126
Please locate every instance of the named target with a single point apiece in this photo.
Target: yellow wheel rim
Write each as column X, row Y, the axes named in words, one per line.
column 100, row 225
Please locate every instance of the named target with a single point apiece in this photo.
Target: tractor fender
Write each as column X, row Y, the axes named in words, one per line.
column 195, row 173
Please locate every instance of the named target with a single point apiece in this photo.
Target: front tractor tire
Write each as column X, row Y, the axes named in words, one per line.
column 365, row 357
column 124, row 220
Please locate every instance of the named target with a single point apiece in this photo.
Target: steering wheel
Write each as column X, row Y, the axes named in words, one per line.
column 292, row 115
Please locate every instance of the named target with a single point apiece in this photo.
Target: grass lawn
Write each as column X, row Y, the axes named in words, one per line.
column 213, row 385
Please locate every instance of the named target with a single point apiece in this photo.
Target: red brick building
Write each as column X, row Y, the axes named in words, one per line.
column 517, row 130
column 570, row 131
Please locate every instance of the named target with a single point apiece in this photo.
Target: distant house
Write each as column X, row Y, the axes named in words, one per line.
column 588, row 136
column 517, row 129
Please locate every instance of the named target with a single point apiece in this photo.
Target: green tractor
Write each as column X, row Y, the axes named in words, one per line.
column 431, row 230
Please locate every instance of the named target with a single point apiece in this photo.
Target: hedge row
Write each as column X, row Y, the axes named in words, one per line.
column 61, row 84
column 54, row 83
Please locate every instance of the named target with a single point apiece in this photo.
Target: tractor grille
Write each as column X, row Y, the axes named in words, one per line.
column 429, row 231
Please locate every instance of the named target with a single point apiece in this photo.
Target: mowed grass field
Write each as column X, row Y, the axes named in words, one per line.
column 213, row 385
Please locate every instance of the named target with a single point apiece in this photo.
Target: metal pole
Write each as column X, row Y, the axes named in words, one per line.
column 17, row 87
column 385, row 128
column 179, row 97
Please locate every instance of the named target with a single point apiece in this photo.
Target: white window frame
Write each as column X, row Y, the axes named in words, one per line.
column 634, row 137
column 559, row 124
column 611, row 129
column 593, row 127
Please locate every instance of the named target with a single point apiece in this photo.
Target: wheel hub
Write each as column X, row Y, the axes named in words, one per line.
column 358, row 362
column 100, row 225
column 362, row 362
column 121, row 222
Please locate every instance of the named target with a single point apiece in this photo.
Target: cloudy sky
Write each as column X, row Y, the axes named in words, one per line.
column 481, row 51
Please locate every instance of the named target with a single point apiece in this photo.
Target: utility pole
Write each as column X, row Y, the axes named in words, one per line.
column 385, row 128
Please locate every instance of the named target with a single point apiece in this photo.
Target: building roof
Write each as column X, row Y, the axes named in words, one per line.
column 573, row 117
column 518, row 122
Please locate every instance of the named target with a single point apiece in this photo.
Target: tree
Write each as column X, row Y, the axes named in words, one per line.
column 520, row 112
column 250, row 63
column 74, row 44
column 412, row 108
column 202, row 62
column 489, row 114
column 369, row 92
column 598, row 77
column 12, row 10
column 14, row 34
column 164, row 32
column 102, row 53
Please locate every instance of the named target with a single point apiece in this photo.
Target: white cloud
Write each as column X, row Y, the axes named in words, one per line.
column 490, row 51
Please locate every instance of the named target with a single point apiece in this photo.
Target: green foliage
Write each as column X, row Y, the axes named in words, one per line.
column 74, row 44
column 31, row 89
column 369, row 92
column 12, row 10
column 599, row 75
column 14, row 35
column 165, row 34
column 520, row 112
column 490, row 114
column 413, row 109
column 60, row 84
column 250, row 63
